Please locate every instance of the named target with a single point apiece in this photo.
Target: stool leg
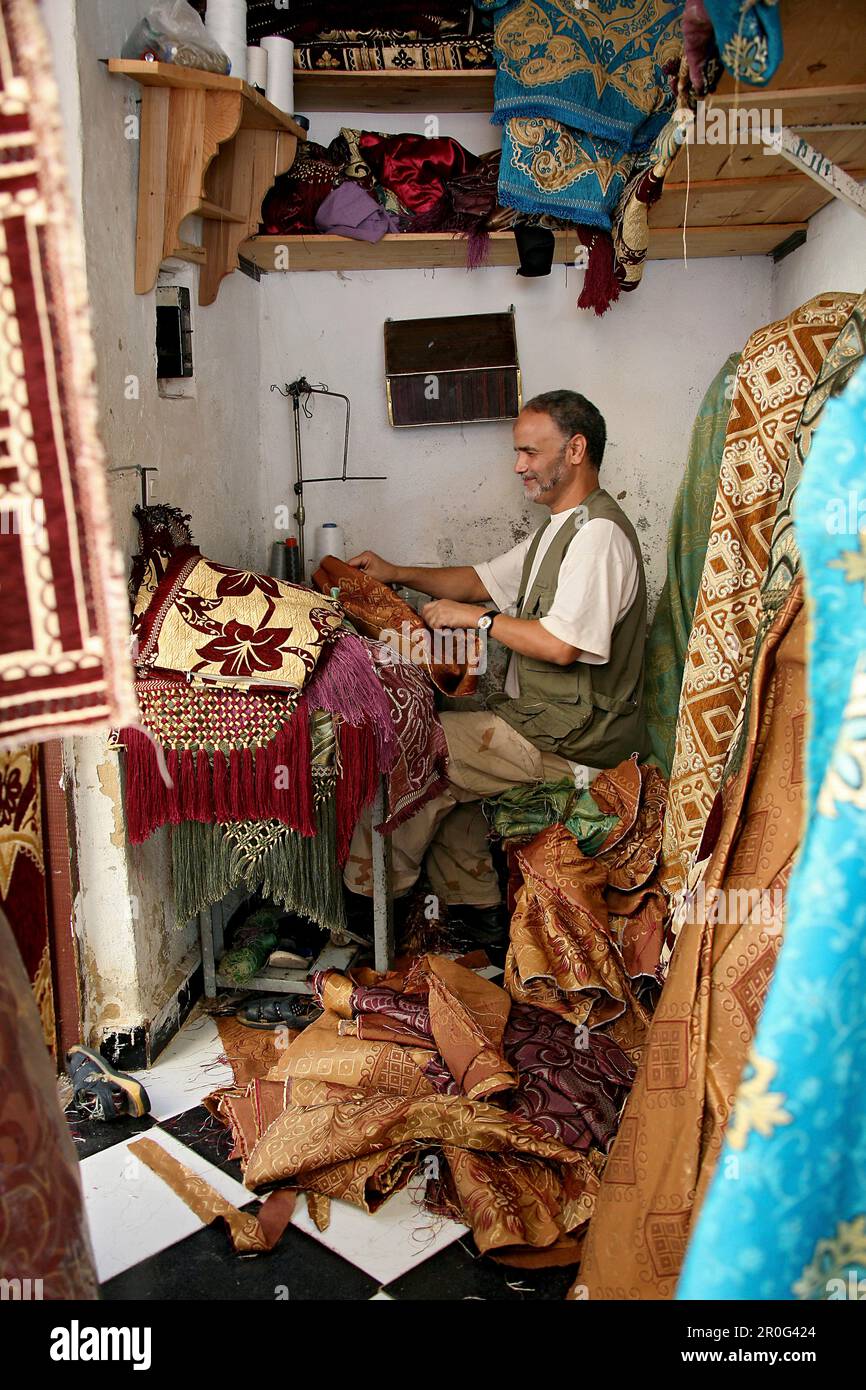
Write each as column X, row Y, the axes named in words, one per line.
column 383, row 905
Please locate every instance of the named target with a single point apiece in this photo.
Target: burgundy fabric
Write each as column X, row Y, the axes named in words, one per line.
column 414, row 168
column 600, row 285
column 292, row 203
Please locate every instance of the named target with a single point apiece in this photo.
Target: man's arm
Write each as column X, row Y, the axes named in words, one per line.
column 527, row 636
column 459, row 582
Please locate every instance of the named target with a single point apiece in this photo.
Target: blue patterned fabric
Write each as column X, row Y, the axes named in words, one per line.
column 785, row 1217
column 749, row 37
column 597, row 68
column 579, row 91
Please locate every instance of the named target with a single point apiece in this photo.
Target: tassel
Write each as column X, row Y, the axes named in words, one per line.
column 247, row 794
column 147, row 796
column 204, row 804
column 293, row 774
column 600, row 285
column 235, row 785
column 188, row 794
column 265, row 776
column 356, row 787
column 221, row 790
column 175, row 815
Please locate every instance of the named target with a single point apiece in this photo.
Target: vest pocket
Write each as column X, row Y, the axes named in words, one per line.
column 553, row 724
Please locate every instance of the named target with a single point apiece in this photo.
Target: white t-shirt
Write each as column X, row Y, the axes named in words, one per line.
column 598, row 583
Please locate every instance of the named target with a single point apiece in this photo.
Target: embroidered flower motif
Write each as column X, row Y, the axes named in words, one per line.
column 240, row 583
column 757, row 1108
column 11, row 788
column 402, row 59
column 832, row 1259
column 244, row 650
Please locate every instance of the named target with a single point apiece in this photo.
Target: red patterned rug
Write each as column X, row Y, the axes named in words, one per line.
column 64, row 664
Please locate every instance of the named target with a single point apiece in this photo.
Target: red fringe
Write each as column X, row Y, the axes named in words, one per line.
column 242, row 787
column 222, row 804
column 358, row 781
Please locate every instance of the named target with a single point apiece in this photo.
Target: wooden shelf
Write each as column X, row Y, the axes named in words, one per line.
column 395, row 91
column 210, row 147
column 438, row 250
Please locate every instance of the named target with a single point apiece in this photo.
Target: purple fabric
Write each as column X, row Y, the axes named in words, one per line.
column 572, row 1082
column 351, row 211
column 345, row 683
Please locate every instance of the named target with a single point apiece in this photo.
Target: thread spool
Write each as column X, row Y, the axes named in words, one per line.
column 257, row 68
column 226, row 22
column 330, row 541
column 281, row 72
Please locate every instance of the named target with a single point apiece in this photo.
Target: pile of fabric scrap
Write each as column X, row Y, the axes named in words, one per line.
column 397, row 35
column 274, row 724
column 588, row 923
column 366, row 184
column 432, row 1070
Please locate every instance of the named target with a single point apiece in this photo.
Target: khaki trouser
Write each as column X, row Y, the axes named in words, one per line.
column 486, row 756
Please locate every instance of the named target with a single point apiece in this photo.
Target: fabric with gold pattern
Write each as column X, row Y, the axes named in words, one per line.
column 674, row 1121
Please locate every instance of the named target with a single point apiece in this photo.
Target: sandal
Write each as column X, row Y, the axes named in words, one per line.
column 100, row 1090
column 279, row 1010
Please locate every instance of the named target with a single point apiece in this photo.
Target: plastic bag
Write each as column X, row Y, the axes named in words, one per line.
column 172, row 32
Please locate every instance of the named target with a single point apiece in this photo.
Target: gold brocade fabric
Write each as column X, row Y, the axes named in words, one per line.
column 250, row 1235
column 562, row 956
column 777, row 370
column 376, row 611
column 674, row 1121
column 361, row 1146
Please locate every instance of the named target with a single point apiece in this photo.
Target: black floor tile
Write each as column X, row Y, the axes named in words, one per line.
column 202, row 1133
column 93, row 1136
column 459, row 1273
column 205, row 1267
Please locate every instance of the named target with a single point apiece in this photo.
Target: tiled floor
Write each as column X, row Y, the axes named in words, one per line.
column 149, row 1245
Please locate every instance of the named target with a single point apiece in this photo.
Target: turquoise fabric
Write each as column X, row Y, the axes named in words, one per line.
column 579, row 90
column 597, row 69
column 749, row 37
column 785, row 1217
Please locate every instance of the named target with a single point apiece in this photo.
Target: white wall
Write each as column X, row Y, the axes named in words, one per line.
column 207, row 452
column 833, row 257
column 451, row 495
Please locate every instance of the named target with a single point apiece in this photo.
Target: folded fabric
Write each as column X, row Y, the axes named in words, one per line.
column 375, row 610
column 395, row 53
column 548, row 167
column 351, row 211
column 224, row 624
column 598, row 68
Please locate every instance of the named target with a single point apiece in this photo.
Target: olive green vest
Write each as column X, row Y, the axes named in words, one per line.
column 588, row 714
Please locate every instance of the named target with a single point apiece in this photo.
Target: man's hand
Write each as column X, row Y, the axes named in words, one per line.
column 376, row 567
column 445, row 613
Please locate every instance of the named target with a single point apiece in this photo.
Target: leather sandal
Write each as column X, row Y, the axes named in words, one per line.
column 295, row 1011
column 102, row 1091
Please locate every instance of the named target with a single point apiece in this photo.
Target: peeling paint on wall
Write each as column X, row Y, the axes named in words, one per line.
column 109, row 785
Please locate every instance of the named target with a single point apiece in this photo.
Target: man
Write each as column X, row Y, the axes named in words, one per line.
column 570, row 604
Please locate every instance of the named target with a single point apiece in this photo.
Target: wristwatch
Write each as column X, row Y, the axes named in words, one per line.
column 485, row 622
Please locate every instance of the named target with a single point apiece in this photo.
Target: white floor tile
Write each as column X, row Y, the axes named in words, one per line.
column 399, row 1237
column 187, row 1070
column 132, row 1213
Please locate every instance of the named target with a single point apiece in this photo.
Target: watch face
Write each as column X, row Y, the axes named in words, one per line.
column 484, row 622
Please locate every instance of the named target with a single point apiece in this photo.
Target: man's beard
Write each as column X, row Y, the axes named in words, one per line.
column 555, row 479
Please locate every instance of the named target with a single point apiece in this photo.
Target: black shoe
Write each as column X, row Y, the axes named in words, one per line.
column 486, row 927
